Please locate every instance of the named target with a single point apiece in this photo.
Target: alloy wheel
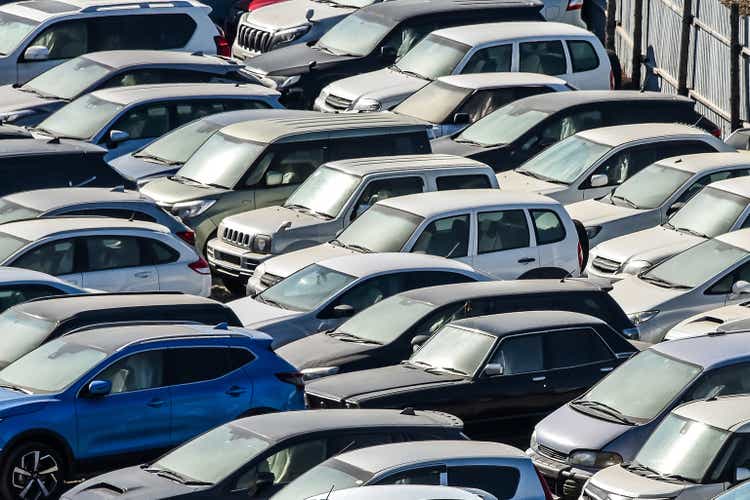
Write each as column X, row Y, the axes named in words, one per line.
column 35, row 475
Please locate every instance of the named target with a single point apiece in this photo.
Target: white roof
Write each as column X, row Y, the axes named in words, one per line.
column 738, row 185
column 19, row 275
column 739, row 238
column 703, row 162
column 479, row 34
column 361, row 265
column 403, row 492
column 731, row 413
column 477, row 81
column 34, row 229
column 622, row 134
column 126, row 58
column 138, row 93
column 47, row 199
column 437, row 202
column 29, row 10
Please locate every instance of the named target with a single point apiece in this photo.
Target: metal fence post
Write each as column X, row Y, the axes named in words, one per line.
column 637, row 41
column 734, row 66
column 682, row 70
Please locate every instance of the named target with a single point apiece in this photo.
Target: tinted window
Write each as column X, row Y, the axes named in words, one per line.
column 708, row 179
column 342, row 442
column 112, row 252
column 21, row 174
column 520, row 354
column 285, row 465
column 14, row 294
column 383, row 189
column 291, row 164
column 546, row 57
column 572, row 348
column 726, row 381
column 138, row 372
column 448, row 237
column 64, row 40
column 149, row 76
column 198, row 364
column 547, row 226
column 422, row 279
column 160, row 31
column 187, row 111
column 484, row 102
column 55, row 258
column 146, row 121
column 377, row 145
column 427, row 475
column 160, row 253
column 502, row 230
column 490, row 60
column 475, row 181
column 497, row 480
column 239, row 357
column 117, row 213
column 374, row 290
column 582, row 55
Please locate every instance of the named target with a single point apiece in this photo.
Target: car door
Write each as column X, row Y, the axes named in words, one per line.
column 117, row 263
column 557, row 248
column 135, row 416
column 505, row 246
column 61, row 258
column 446, row 237
column 63, row 40
column 587, row 70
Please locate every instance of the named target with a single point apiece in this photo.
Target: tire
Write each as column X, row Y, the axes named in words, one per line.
column 614, row 61
column 32, row 471
column 235, row 286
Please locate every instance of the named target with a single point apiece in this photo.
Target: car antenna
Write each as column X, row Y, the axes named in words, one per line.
column 222, row 326
column 330, row 491
column 408, row 411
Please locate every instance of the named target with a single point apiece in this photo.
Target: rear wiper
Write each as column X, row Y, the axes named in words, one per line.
column 603, row 408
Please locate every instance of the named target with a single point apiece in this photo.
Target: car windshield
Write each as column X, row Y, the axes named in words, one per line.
column 10, row 211
column 221, row 161
column 349, row 3
column 454, row 349
column 51, row 367
column 13, row 29
column 681, row 447
column 180, row 144
column 22, row 333
column 306, row 289
column 622, row 390
column 332, row 475
column 680, row 271
column 434, row 103
column 68, row 79
column 355, row 35
column 402, row 313
column 324, row 192
column 502, row 126
column 9, row 245
column 650, row 187
column 431, row 57
column 81, row 119
column 395, row 227
column 230, row 446
column 565, row 161
column 709, row 213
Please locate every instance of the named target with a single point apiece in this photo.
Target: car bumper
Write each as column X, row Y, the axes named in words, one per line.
column 231, row 261
column 564, row 481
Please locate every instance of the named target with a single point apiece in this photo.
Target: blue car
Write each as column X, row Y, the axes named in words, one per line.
column 126, row 393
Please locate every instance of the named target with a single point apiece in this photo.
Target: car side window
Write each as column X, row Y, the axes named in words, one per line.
column 447, row 237
column 198, row 364
column 55, row 258
column 472, row 181
column 727, row 381
column 158, row 252
column 490, row 60
column 423, row 279
column 286, row 464
column 435, row 320
column 582, row 55
column 547, row 226
column 15, row 294
column 423, row 475
column 708, row 179
column 342, row 442
column 406, row 36
column 138, row 372
column 546, row 57
column 154, row 31
column 187, row 111
column 520, row 354
column 569, row 124
column 149, row 76
column 373, row 290
column 117, row 213
column 64, row 40
column 500, row 481
column 739, row 492
column 484, row 102
column 292, row 165
column 565, row 349
column 382, row 189
column 146, row 121
column 502, row 230
column 112, row 252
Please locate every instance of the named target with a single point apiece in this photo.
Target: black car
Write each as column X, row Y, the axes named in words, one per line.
column 365, row 341
column 255, row 457
column 512, row 368
column 507, row 137
column 30, row 324
column 373, row 38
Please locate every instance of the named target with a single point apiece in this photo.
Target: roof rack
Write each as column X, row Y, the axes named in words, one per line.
column 107, row 324
column 100, row 294
column 137, row 5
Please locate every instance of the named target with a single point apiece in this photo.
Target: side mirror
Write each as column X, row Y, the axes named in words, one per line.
column 598, row 180
column 262, row 480
column 461, row 118
column 493, row 369
column 417, row 341
column 740, row 287
column 675, row 207
column 118, row 136
column 99, row 388
column 343, row 311
column 741, row 474
column 309, row 14
column 36, row 53
column 388, row 53
column 273, row 178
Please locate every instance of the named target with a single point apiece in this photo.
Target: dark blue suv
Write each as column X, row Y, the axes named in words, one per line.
column 125, row 393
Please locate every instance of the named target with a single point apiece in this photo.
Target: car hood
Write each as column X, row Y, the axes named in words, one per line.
column 293, row 60
column 12, row 99
column 17, row 403
column 566, row 430
column 165, row 190
column 291, row 13
column 289, row 263
column 652, row 245
column 254, row 314
column 267, row 220
column 321, row 350
column 635, row 295
column 447, row 145
column 514, row 181
column 385, row 85
column 620, row 481
column 14, row 132
column 593, row 212
column 130, row 483
column 709, row 321
column 133, row 168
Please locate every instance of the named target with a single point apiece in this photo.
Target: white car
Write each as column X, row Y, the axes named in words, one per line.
column 407, row 492
column 114, row 255
column 725, row 319
column 709, row 275
column 20, row 285
column 505, row 235
column 655, row 193
column 591, row 163
column 40, row 35
column 568, row 52
column 324, row 294
column 717, row 209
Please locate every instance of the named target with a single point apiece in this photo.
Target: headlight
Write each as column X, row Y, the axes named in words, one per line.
column 322, row 371
column 189, row 209
column 12, row 116
column 284, row 82
column 262, row 243
column 591, row 458
column 643, row 316
column 592, row 231
column 290, row 34
column 367, row 104
column 635, row 267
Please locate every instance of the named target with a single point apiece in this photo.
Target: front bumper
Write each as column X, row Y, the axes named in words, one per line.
column 564, row 481
column 229, row 260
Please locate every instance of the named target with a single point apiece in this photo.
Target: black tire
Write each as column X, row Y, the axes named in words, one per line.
column 614, row 61
column 32, row 470
column 236, row 286
column 584, row 239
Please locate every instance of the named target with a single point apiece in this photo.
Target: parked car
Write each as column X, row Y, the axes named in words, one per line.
column 591, row 163
column 261, row 162
column 708, row 275
column 513, row 134
column 738, row 492
column 718, row 208
column 451, row 103
column 254, row 457
column 369, row 39
column 568, row 52
column 237, row 9
column 725, row 319
column 609, row 424
column 652, row 195
column 28, row 325
column 330, row 199
column 35, row 100
column 103, row 253
column 40, row 36
column 20, row 285
column 122, row 392
column 408, row 492
column 505, row 235
column 322, row 295
column 511, row 368
column 696, row 452
column 365, row 341
column 496, row 468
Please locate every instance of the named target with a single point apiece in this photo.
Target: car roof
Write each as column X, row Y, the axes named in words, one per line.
column 739, row 238
column 250, row 115
column 510, row 323
column 40, row 10
column 138, row 93
column 47, row 199
column 436, row 202
column 322, row 125
column 34, row 229
column 736, row 185
column 361, row 265
column 281, row 426
column 478, row 81
column 699, row 162
column 405, row 492
column 395, row 12
column 478, row 34
column 623, row 134
column 125, row 58
column 730, row 413
column 708, row 351
column 8, row 274
column 555, row 101
column 31, row 147
column 378, row 458
column 363, row 166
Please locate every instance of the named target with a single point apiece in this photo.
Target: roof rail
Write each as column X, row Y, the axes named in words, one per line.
column 197, row 335
column 98, row 294
column 145, row 322
column 139, row 5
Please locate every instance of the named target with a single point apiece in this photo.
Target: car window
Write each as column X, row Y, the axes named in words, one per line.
column 406, row 36
column 14, row 294
column 564, row 349
column 373, row 290
column 376, row 145
column 141, row 371
column 55, row 258
column 341, row 442
column 424, row 475
column 187, row 111
column 484, row 102
column 547, row 226
column 422, row 279
column 708, row 179
column 158, row 252
column 150, row 76
column 520, row 354
column 490, row 60
column 502, row 230
column 146, row 121
column 292, row 164
column 447, row 237
column 473, row 181
column 154, row 31
column 547, row 57
column 500, row 481
column 198, row 364
column 729, row 380
column 379, row 190
column 582, row 55
column 286, row 464
column 561, row 127
column 112, row 252
column 64, row 40
column 117, row 213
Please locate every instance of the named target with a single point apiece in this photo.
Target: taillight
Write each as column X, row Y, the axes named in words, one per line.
column 294, row 378
column 545, row 486
column 716, row 132
column 575, row 4
column 222, row 46
column 200, row 266
column 187, row 236
column 580, row 256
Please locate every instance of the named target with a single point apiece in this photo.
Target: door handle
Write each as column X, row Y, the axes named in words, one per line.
column 156, row 403
column 526, row 260
column 541, row 378
column 235, row 390
column 606, row 369
column 143, row 274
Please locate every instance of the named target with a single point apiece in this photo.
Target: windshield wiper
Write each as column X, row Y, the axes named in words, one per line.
column 174, row 476
column 15, row 388
column 348, row 337
column 32, row 90
column 691, row 231
column 270, row 302
column 653, row 473
column 539, row 176
column 622, row 198
column 157, row 159
column 411, row 73
column 469, row 141
column 358, row 248
column 310, row 211
column 446, row 369
column 184, row 180
column 661, row 282
column 603, row 408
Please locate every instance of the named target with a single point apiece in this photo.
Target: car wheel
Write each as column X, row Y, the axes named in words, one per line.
column 32, row 471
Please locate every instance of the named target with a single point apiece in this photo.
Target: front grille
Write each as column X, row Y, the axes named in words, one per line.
column 227, row 257
column 318, row 402
column 254, row 39
column 605, row 265
column 268, row 280
column 552, row 453
column 236, row 238
column 338, row 103
column 592, row 492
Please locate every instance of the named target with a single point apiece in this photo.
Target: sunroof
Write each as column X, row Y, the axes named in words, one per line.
column 49, row 6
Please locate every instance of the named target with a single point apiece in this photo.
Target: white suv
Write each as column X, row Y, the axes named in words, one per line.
column 38, row 35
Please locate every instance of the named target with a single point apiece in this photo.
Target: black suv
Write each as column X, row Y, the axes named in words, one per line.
column 373, row 38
